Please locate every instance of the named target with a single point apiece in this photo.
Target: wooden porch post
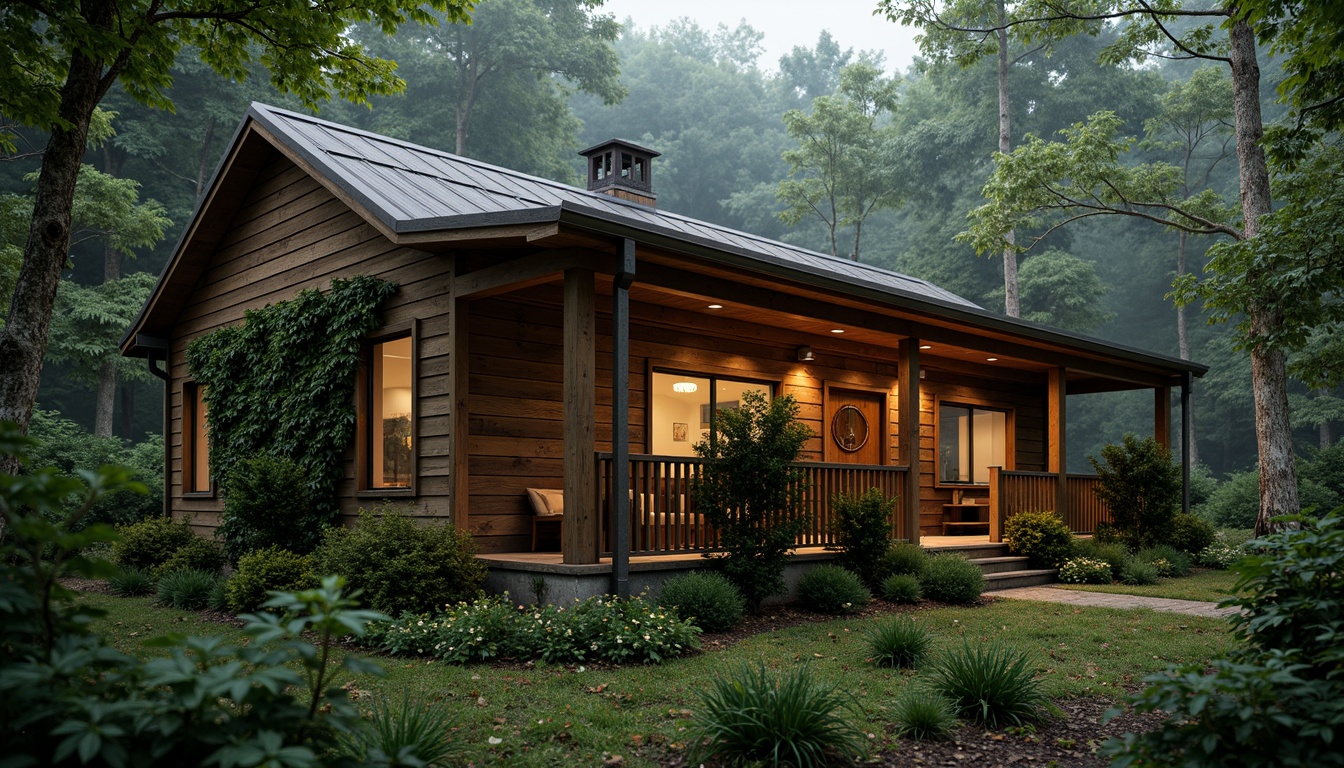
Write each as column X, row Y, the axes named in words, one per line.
column 995, row 504
column 907, row 415
column 620, row 419
column 580, row 465
column 1058, row 456
column 458, row 452
column 1187, row 424
column 1162, row 416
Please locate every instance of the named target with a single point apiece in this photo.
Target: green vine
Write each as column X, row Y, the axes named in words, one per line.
column 283, row 382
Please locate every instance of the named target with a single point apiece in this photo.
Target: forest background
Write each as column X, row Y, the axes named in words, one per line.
column 532, row 81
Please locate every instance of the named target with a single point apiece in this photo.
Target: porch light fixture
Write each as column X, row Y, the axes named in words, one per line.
column 991, row 359
column 806, row 355
column 715, row 306
column 837, row 330
column 684, row 386
column 925, row 346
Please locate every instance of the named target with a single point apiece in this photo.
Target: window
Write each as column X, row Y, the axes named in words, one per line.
column 683, row 408
column 970, row 441
column 196, row 456
column 391, row 415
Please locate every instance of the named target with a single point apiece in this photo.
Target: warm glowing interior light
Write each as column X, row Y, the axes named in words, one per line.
column 837, row 330
column 925, row 346
column 684, row 386
column 992, row 359
column 716, row 306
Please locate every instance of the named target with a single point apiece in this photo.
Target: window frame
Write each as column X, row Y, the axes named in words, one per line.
column 192, row 403
column 713, row 375
column 364, row 414
column 973, row 403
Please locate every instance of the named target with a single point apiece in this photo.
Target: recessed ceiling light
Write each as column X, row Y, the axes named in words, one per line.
column 992, row 359
column 925, row 346
column 837, row 330
column 716, row 306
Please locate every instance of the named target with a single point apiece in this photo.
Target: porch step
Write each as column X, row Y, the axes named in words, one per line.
column 1000, row 564
column 977, row 551
column 1014, row 579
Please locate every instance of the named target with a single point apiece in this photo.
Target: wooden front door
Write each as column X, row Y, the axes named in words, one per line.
column 855, row 427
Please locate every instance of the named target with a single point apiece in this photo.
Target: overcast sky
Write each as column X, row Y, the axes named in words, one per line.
column 786, row 23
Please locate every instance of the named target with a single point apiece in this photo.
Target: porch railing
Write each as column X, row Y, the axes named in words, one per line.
column 1011, row 492
column 663, row 518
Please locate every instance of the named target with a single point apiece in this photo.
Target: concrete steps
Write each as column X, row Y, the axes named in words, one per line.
column 1002, row 570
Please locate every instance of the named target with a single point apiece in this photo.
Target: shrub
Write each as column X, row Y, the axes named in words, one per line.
column 1138, row 573
column 902, row 588
column 596, row 629
column 1141, row 486
column 863, row 532
column 707, row 599
column 187, row 590
column 1084, row 570
column 1043, row 537
column 1112, row 553
column 131, row 582
column 829, row 588
column 990, row 683
column 1279, row 698
column 400, row 565
column 1105, row 533
column 198, row 554
column 904, row 559
column 1169, row 561
column 266, row 570
column 219, row 596
column 900, row 642
column 149, row 543
column 267, row 504
column 1190, row 533
column 924, row 717
column 416, row 733
column 952, row 579
column 750, row 491
column 755, row 717
column 1227, row 549
column 1236, row 503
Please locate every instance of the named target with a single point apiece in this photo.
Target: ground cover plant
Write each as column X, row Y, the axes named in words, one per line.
column 1210, row 586
column 989, row 682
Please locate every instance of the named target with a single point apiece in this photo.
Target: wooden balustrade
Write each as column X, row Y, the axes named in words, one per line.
column 1011, row 492
column 663, row 518
column 1085, row 508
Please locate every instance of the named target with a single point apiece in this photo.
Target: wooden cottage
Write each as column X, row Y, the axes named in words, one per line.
column 552, row 349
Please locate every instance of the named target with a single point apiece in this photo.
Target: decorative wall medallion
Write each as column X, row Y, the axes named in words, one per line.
column 849, row 428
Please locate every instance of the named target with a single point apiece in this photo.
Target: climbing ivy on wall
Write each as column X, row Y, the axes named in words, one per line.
column 283, row 382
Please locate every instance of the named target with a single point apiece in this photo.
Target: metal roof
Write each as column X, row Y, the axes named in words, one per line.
column 411, row 188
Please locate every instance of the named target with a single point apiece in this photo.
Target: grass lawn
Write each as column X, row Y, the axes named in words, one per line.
column 1207, row 585
column 542, row 715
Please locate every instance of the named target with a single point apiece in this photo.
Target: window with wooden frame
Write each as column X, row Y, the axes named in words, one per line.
column 388, row 441
column 971, row 439
column 683, row 407
column 196, row 441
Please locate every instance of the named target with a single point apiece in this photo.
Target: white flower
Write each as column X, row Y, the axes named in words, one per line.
column 495, row 740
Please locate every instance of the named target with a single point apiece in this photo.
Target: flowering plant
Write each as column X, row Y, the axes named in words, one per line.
column 1085, row 570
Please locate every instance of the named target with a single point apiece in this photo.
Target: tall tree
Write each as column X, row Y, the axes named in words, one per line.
column 59, row 61
column 1062, row 290
column 843, row 169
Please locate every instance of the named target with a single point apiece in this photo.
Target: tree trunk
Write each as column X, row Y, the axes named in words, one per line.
column 1010, row 302
column 106, row 399
column 1269, row 376
column 1183, row 340
column 128, row 411
column 203, row 164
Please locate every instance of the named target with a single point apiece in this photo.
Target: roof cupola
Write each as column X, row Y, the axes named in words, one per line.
column 621, row 169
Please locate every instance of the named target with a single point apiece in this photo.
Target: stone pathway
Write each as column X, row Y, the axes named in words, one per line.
column 1108, row 600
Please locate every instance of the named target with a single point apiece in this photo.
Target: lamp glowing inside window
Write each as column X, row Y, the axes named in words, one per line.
column 391, row 414
column 684, row 386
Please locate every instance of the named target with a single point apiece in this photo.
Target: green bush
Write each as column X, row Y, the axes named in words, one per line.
column 1169, row 561
column 900, row 642
column 492, row 628
column 400, row 565
column 1112, row 553
column 1138, row 573
column 1084, row 570
column 1325, row 468
column 1279, row 698
column 417, row 733
column 924, row 717
column 131, row 582
column 751, row 491
column 150, row 543
column 989, row 683
column 903, row 559
column 267, row 570
column 1041, row 536
column 198, row 554
column 187, row 590
column 219, row 596
column 1106, row 533
column 757, row 718
column 707, row 599
column 829, row 588
column 267, row 504
column 862, row 529
column 1236, row 503
column 1141, row 486
column 1227, row 549
column 902, row 588
column 952, row 579
column 1190, row 533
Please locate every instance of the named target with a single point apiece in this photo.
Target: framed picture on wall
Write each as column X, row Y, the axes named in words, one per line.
column 679, row 432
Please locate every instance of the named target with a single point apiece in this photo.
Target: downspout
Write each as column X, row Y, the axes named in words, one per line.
column 620, row 419
column 1187, row 381
column 157, row 348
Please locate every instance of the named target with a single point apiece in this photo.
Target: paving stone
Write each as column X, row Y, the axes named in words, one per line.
column 1107, row 600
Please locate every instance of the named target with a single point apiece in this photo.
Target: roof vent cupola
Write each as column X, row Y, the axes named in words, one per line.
column 621, row 169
